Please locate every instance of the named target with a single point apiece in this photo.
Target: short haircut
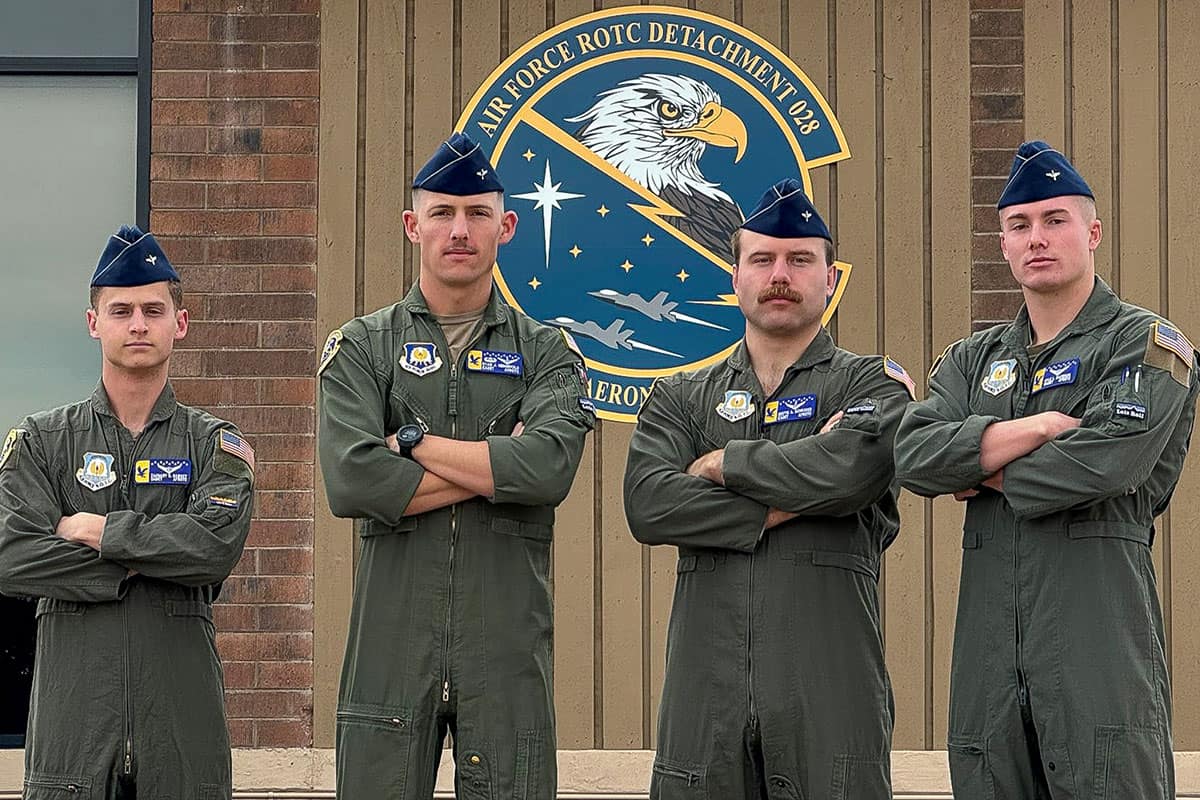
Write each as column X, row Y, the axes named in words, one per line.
column 418, row 194
column 174, row 288
column 735, row 243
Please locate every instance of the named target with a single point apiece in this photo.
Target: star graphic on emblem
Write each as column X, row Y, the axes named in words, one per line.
column 682, row 275
column 482, row 174
column 575, row 251
column 535, row 283
column 626, row 266
column 807, row 215
column 602, row 210
column 151, row 259
column 1053, row 174
column 547, row 198
column 648, row 239
column 528, row 154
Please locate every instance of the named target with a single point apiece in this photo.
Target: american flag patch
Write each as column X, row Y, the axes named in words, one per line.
column 235, row 445
column 1173, row 340
column 897, row 372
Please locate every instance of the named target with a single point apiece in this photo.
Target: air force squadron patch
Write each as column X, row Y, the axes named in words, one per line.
column 634, row 138
column 332, row 345
column 420, row 358
column 790, row 409
column 163, row 471
column 737, row 405
column 10, row 447
column 96, row 472
column 1061, row 373
column 495, row 362
column 1001, row 376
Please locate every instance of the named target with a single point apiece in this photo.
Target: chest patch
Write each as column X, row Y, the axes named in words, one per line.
column 1061, row 373
column 420, row 358
column 1001, row 376
column 737, row 405
column 163, row 471
column 496, row 362
column 790, row 409
column 96, row 472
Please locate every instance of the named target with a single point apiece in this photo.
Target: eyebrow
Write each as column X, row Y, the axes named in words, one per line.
column 1044, row 214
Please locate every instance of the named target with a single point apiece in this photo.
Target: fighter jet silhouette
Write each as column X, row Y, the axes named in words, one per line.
column 658, row 308
column 615, row 336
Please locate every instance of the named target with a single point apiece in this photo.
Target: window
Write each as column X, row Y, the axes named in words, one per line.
column 75, row 128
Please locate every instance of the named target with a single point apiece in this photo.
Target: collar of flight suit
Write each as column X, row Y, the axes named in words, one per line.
column 164, row 406
column 1100, row 309
column 493, row 312
column 820, row 349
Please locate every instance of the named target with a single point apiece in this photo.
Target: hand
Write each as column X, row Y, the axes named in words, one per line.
column 710, row 466
column 965, row 494
column 518, row 429
column 833, row 421
column 777, row 517
column 83, row 528
column 995, row 481
column 392, row 444
column 1055, row 423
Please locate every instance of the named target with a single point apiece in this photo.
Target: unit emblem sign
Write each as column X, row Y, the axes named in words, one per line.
column 631, row 142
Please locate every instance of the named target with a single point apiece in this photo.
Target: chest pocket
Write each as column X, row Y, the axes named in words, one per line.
column 499, row 417
column 405, row 408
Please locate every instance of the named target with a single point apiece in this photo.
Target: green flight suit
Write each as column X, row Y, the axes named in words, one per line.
column 1058, row 686
column 775, row 682
column 452, row 621
column 127, row 689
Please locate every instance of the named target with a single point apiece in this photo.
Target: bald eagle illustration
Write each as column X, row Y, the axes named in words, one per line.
column 654, row 128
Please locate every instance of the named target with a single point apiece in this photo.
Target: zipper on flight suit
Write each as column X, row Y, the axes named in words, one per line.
column 127, row 467
column 452, row 411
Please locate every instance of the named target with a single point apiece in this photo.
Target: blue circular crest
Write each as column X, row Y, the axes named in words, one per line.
column 630, row 142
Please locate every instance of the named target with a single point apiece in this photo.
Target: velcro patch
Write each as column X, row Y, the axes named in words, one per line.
column 496, row 362
column 937, row 362
column 587, row 405
column 163, row 471
column 223, row 502
column 1168, row 349
column 896, row 372
column 235, row 445
column 332, row 345
column 865, row 407
column 1131, row 410
column 9, row 455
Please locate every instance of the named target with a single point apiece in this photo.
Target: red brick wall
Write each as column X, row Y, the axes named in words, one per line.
column 997, row 128
column 233, row 201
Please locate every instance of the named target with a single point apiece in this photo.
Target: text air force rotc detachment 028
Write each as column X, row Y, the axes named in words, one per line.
column 1065, row 431
column 122, row 514
column 451, row 425
column 772, row 473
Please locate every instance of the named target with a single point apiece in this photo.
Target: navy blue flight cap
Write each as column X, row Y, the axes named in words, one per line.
column 1040, row 172
column 459, row 168
column 132, row 258
column 785, row 212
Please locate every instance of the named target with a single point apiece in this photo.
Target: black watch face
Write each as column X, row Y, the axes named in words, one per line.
column 408, row 436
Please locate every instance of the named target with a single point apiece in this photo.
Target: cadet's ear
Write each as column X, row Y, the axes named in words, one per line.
column 508, row 226
column 410, row 226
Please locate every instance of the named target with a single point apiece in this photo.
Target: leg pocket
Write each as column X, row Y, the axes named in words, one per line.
column 373, row 746
column 861, row 778
column 970, row 773
column 1130, row 762
column 43, row 786
column 677, row 779
column 536, row 770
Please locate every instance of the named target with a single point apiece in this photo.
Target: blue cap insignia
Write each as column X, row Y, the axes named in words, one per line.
column 132, row 258
column 785, row 212
column 1040, row 172
column 459, row 168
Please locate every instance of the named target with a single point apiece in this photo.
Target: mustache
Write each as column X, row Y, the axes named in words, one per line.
column 777, row 291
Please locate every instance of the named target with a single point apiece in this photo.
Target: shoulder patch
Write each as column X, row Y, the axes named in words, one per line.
column 332, row 345
column 10, row 453
column 1168, row 349
column 229, row 442
column 937, row 362
column 581, row 367
column 897, row 373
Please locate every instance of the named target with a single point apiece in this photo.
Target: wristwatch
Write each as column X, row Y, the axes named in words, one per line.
column 408, row 437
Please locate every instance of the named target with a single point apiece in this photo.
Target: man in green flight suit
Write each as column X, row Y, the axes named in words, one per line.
column 771, row 471
column 122, row 514
column 451, row 426
column 1065, row 431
